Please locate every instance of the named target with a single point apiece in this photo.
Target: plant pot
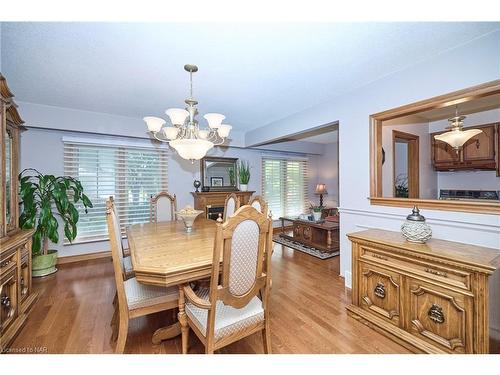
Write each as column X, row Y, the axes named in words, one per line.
column 244, row 187
column 44, row 265
column 317, row 215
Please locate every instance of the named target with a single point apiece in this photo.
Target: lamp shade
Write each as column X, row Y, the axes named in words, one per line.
column 224, row 130
column 321, row 189
column 154, row 123
column 177, row 115
column 456, row 137
column 170, row 132
column 214, row 119
column 191, row 149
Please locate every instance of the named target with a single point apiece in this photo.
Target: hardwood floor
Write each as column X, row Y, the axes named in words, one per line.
column 308, row 313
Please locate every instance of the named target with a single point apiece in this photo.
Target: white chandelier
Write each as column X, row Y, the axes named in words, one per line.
column 456, row 137
column 185, row 135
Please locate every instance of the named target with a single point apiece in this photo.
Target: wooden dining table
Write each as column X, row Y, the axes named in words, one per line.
column 165, row 254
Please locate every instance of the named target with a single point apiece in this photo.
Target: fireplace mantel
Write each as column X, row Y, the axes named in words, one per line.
column 204, row 201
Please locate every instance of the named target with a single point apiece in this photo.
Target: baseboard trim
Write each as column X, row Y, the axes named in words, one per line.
column 84, row 257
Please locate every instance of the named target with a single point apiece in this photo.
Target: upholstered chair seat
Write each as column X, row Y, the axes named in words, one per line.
column 141, row 295
column 228, row 320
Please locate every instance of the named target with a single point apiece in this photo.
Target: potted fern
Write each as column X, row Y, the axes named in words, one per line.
column 43, row 197
column 244, row 174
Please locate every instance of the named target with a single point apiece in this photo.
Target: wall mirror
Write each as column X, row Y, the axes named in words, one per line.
column 219, row 174
column 440, row 153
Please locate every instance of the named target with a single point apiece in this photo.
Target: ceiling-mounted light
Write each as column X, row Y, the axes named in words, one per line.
column 457, row 137
column 185, row 136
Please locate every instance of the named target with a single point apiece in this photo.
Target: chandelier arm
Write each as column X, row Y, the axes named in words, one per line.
column 160, row 139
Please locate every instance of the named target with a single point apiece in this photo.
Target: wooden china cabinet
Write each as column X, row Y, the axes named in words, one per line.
column 16, row 295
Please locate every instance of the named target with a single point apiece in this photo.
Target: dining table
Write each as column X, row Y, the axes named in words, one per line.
column 165, row 254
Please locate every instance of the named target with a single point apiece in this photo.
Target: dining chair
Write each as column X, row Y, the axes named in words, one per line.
column 126, row 260
column 230, row 308
column 163, row 207
column 259, row 204
column 134, row 299
column 231, row 204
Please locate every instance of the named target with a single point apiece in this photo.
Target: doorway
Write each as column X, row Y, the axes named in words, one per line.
column 405, row 165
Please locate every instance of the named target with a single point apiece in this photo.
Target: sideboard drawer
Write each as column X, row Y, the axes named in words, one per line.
column 453, row 277
column 380, row 291
column 440, row 316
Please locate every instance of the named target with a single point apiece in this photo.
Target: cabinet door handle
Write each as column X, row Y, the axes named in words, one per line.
column 5, row 301
column 380, row 290
column 437, row 273
column 477, row 144
column 436, row 314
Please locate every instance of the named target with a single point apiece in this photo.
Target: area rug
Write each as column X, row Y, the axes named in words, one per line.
column 303, row 248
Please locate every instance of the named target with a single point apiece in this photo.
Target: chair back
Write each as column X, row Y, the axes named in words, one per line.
column 116, row 251
column 242, row 240
column 231, row 204
column 163, row 207
column 259, row 204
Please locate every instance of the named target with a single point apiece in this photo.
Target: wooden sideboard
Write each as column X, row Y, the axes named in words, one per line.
column 431, row 297
column 16, row 296
column 216, row 199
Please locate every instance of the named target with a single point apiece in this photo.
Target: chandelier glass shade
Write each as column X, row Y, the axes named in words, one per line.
column 184, row 133
column 456, row 136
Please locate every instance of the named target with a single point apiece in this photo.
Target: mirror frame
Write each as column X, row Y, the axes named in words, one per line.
column 203, row 164
column 453, row 98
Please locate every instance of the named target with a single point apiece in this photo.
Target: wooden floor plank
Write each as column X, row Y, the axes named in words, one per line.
column 307, row 308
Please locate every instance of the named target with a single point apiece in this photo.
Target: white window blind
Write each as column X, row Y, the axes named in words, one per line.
column 284, row 186
column 130, row 174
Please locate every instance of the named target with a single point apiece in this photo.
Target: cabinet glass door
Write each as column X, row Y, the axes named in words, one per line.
column 8, row 179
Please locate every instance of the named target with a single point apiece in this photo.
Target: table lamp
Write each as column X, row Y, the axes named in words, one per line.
column 320, row 190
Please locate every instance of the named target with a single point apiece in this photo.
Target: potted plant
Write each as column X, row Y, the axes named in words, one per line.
column 244, row 174
column 43, row 197
column 316, row 211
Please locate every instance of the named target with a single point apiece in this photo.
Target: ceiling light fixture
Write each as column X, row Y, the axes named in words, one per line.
column 184, row 135
column 457, row 137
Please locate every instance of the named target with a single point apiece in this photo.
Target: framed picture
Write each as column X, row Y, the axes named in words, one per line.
column 217, row 181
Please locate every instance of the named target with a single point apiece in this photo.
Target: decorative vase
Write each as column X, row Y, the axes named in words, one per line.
column 414, row 229
column 197, row 184
column 188, row 216
column 44, row 265
column 244, row 187
column 317, row 215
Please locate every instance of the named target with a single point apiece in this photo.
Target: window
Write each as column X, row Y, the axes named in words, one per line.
column 284, row 186
column 130, row 174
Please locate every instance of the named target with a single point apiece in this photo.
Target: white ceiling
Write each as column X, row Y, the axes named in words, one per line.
column 252, row 73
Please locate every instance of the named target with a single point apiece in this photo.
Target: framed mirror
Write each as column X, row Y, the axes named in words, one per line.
column 219, row 174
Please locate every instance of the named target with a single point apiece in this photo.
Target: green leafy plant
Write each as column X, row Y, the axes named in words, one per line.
column 232, row 175
column 244, row 172
column 314, row 207
column 401, row 186
column 43, row 197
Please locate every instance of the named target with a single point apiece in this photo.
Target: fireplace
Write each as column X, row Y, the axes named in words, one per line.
column 214, row 211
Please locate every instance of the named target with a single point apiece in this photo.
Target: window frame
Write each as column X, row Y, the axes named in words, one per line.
column 283, row 184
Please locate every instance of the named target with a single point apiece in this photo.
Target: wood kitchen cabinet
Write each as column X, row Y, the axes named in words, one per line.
column 479, row 152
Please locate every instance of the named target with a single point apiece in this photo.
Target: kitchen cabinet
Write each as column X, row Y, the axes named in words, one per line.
column 480, row 152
